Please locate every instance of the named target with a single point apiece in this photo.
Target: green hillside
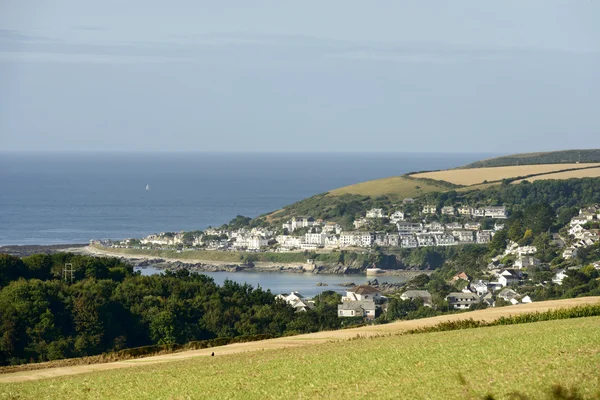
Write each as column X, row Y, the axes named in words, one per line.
column 551, row 157
column 537, row 360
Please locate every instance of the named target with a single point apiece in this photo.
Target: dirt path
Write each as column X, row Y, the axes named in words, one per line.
column 302, row 340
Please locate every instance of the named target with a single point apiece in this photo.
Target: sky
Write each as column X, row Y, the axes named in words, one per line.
column 271, row 76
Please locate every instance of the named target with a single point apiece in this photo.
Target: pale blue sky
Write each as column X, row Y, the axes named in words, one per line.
column 503, row 76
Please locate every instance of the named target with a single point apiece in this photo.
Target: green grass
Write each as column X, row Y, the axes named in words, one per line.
column 529, row 359
column 234, row 257
column 396, row 188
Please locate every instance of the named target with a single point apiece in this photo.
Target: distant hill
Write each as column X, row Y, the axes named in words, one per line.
column 551, row 157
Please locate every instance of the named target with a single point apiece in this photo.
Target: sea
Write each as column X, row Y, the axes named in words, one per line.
column 59, row 198
column 68, row 198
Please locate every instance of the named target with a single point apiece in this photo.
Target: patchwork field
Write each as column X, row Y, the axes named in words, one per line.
column 528, row 359
column 396, row 188
column 582, row 173
column 476, row 176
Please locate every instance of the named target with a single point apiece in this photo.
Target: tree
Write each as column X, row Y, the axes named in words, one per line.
column 11, row 268
column 516, row 231
column 39, row 265
column 539, row 217
column 499, row 241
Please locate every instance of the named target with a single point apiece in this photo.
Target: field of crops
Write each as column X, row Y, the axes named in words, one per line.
column 530, row 359
column 582, row 173
column 476, row 176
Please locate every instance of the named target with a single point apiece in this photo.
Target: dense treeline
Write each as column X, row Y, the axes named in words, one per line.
column 554, row 157
column 559, row 194
column 108, row 307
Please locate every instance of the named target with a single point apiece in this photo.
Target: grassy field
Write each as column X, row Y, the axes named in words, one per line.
column 233, row 257
column 476, row 176
column 397, row 188
column 529, row 359
column 584, row 173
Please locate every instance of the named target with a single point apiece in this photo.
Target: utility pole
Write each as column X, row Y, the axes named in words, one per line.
column 68, row 273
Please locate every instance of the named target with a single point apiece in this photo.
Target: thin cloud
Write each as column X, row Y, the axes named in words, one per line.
column 11, row 35
column 89, row 28
column 82, row 58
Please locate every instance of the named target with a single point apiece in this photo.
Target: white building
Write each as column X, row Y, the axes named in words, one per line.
column 426, row 240
column 362, row 292
column 364, row 309
column 496, row 212
column 454, row 226
column 448, row 210
column 473, row 226
column 375, row 213
column 397, row 216
column 256, row 242
column 360, row 223
column 463, row 236
column 297, row 301
column 429, row 209
column 462, row 301
column 423, row 295
column 478, row 212
column 569, row 253
column 349, row 239
column 445, row 240
column 465, row 211
column 332, row 227
column 560, row 276
column 525, row 262
column 407, row 227
column 408, row 242
column 298, row 222
column 483, row 236
column 315, row 238
column 332, row 242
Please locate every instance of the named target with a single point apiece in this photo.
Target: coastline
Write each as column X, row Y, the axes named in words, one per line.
column 200, row 265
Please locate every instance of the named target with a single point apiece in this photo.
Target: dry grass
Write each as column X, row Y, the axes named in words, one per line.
column 582, row 173
column 396, row 188
column 476, row 176
column 309, row 340
column 528, row 359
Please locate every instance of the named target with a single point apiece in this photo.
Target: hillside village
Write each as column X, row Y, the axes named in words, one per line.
column 305, row 233
column 499, row 284
column 506, row 280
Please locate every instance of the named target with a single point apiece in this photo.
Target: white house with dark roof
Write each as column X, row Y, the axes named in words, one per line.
column 526, row 262
column 296, row 300
column 569, row 253
column 418, row 294
column 360, row 308
column 496, row 212
column 560, row 276
column 480, row 287
column 397, row 216
column 362, row 292
column 509, row 295
column 462, row 301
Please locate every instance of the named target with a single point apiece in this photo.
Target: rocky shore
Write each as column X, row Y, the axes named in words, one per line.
column 27, row 250
column 172, row 265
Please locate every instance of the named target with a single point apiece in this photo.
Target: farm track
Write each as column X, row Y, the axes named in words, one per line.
column 302, row 340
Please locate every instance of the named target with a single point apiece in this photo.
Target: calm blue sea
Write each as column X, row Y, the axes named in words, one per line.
column 72, row 198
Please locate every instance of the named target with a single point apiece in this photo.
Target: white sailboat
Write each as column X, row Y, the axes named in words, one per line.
column 147, row 187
